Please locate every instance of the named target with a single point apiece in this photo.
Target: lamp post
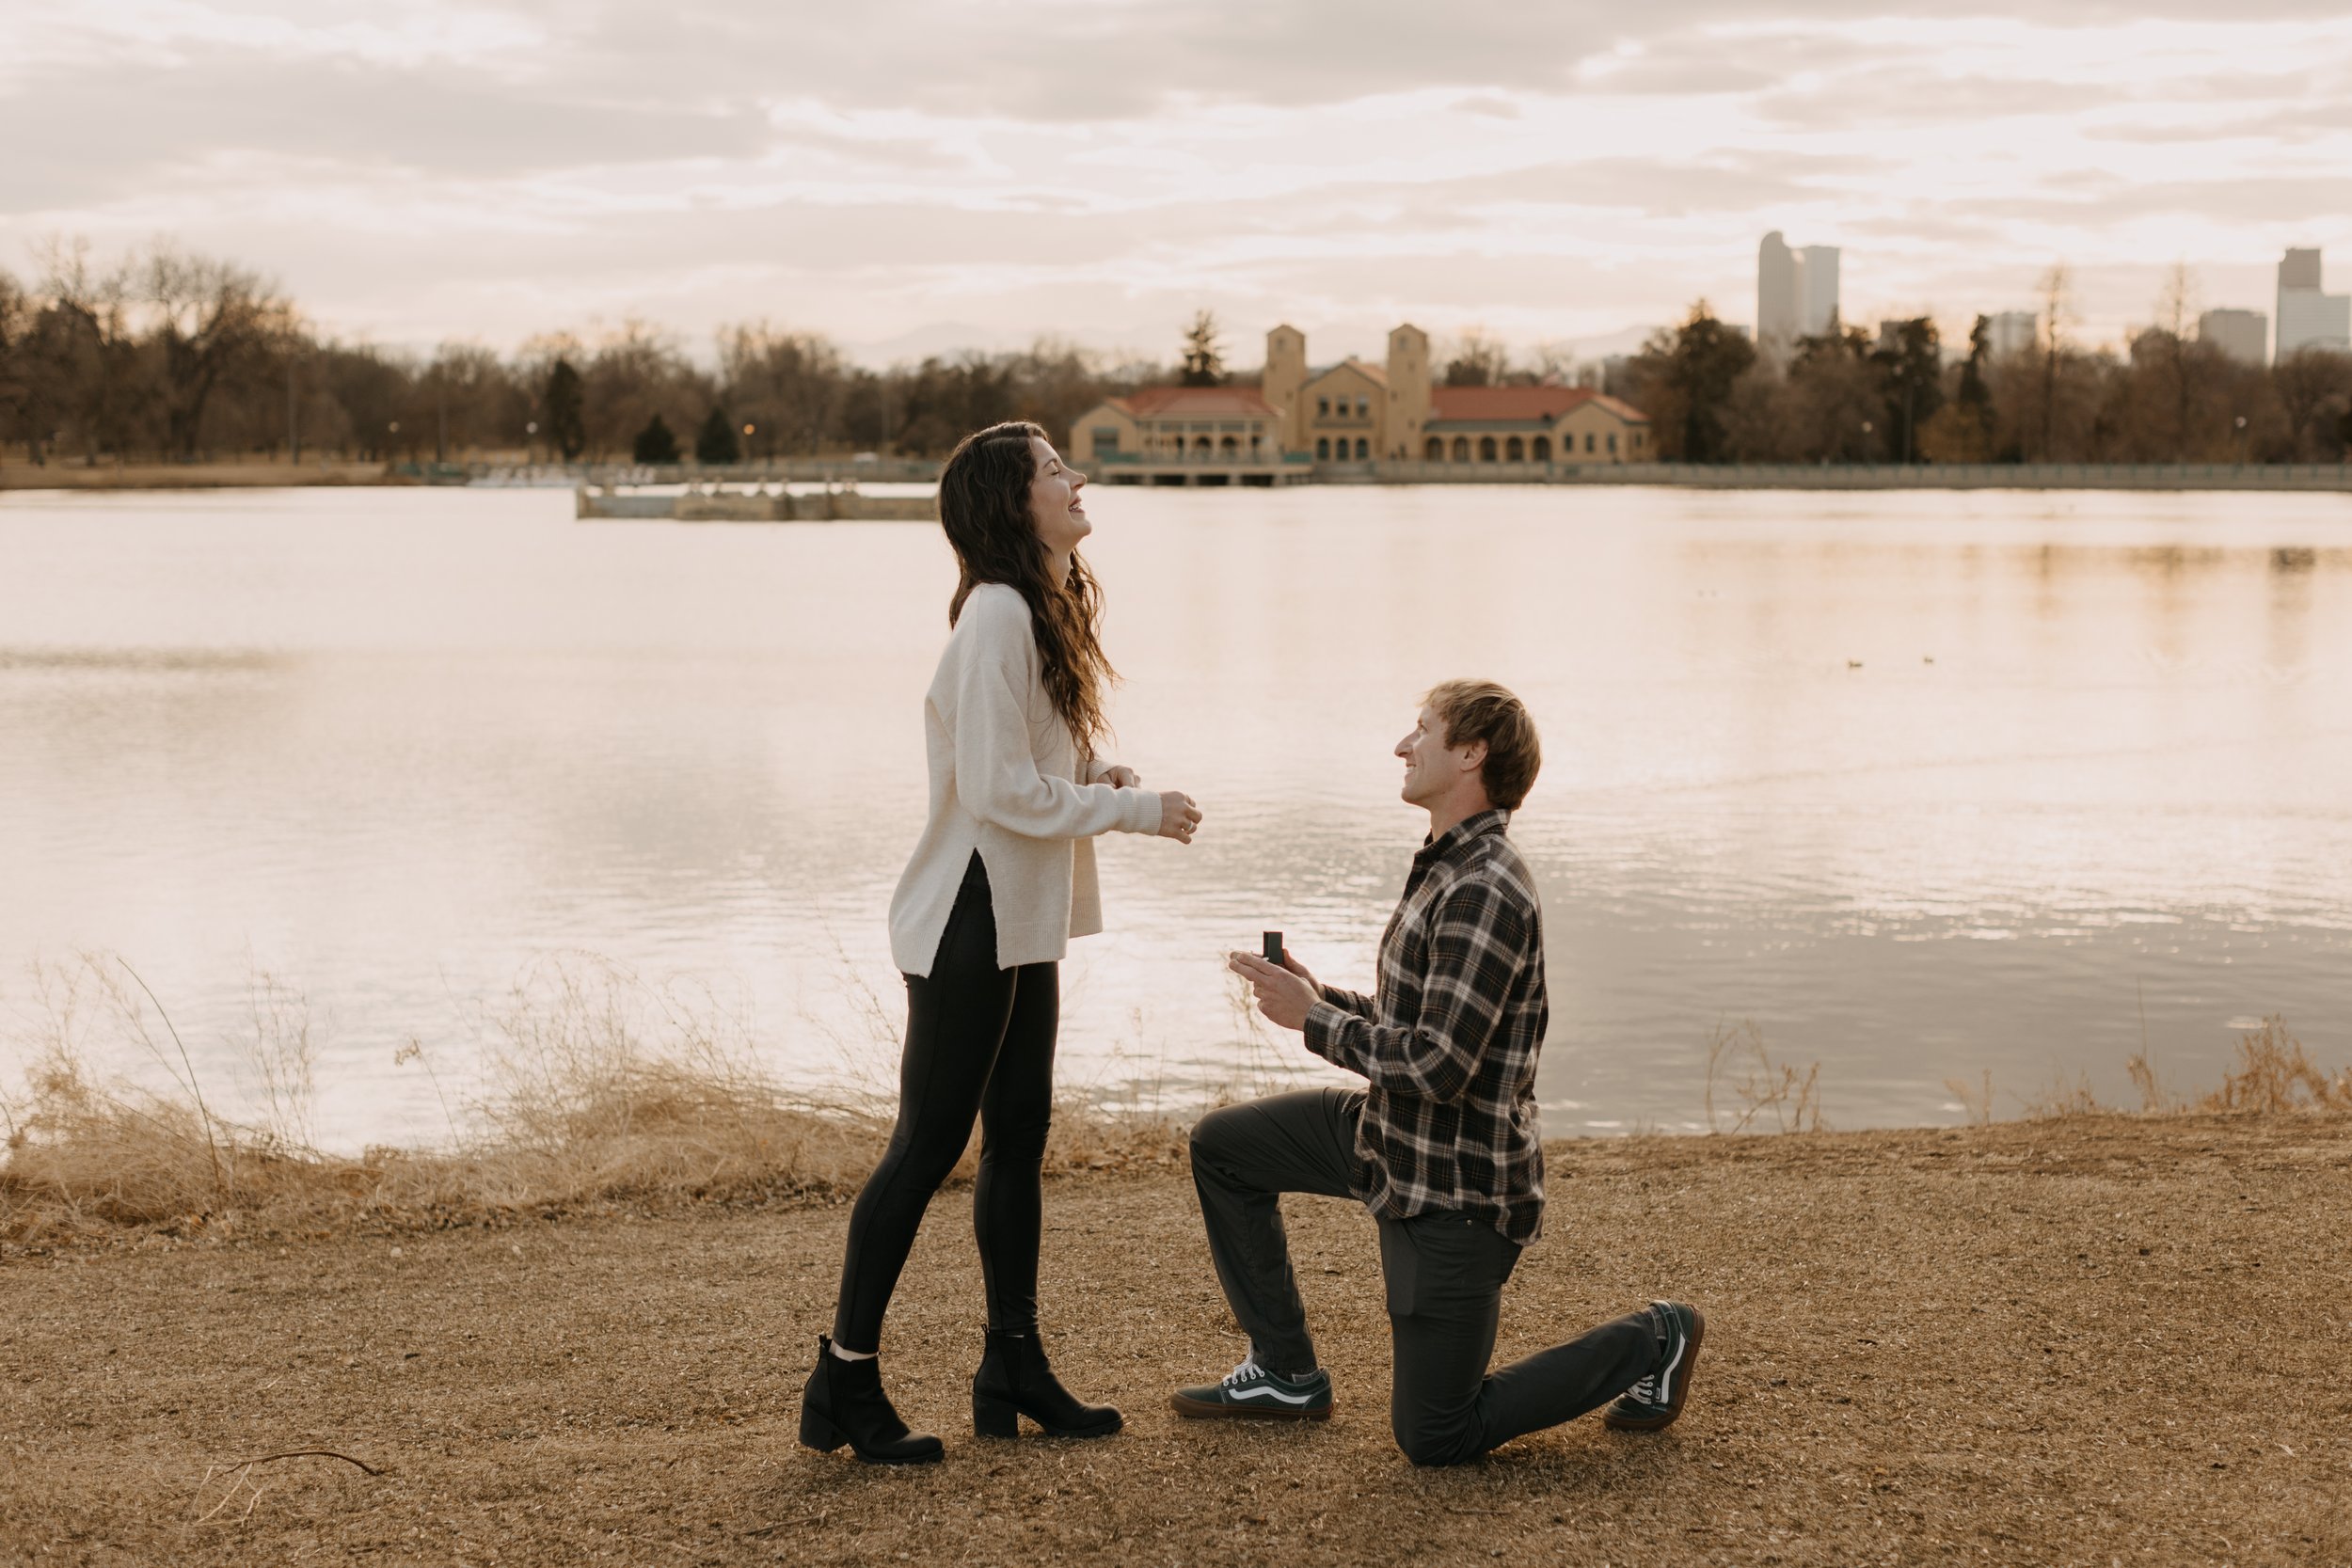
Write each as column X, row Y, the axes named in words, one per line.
column 531, row 443
column 748, row 428
column 2241, row 440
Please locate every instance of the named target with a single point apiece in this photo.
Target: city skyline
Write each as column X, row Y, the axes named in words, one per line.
column 916, row 179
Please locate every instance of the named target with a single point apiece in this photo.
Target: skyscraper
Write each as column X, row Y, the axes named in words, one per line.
column 1796, row 293
column 2012, row 332
column 1821, row 290
column 2241, row 334
column 1779, row 296
column 2307, row 317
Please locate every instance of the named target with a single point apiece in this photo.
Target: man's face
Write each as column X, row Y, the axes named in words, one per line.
column 1431, row 766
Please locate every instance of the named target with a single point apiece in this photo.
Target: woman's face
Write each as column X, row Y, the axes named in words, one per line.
column 1055, row 505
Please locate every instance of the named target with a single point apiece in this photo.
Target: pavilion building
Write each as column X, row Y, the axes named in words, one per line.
column 1355, row 412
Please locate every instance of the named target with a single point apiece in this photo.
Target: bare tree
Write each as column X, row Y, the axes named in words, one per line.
column 2176, row 304
column 2315, row 390
column 1839, row 397
column 787, row 386
column 634, row 375
column 87, row 353
column 1552, row 363
column 211, row 320
column 2057, row 314
column 16, row 321
column 1479, row 359
column 472, row 400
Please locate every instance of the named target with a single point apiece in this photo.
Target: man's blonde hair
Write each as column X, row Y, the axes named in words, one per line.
column 1481, row 710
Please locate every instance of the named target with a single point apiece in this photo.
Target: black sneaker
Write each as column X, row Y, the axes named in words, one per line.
column 1657, row 1399
column 1251, row 1393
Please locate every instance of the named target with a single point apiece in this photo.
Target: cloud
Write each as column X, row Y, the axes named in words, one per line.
column 1553, row 170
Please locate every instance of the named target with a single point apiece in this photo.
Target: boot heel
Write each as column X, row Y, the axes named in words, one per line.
column 818, row 1434
column 995, row 1417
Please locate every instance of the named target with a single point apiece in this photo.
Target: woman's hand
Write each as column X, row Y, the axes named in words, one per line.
column 1179, row 816
column 1122, row 778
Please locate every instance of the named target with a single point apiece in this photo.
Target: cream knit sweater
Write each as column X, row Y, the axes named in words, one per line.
column 1003, row 782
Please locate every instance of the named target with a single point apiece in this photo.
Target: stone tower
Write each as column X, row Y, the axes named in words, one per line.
column 1409, row 391
column 1286, row 373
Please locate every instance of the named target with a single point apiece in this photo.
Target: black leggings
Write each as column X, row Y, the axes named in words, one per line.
column 979, row 1041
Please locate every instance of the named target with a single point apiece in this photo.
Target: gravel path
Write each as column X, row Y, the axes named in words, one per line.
column 2092, row 1340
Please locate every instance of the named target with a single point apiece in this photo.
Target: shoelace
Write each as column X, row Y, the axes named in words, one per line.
column 1244, row 1374
column 1646, row 1392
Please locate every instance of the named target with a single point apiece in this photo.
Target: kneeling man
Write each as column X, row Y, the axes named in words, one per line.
column 1442, row 1145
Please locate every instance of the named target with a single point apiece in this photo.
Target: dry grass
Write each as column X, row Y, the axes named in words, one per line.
column 602, row 1091
column 2271, row 1075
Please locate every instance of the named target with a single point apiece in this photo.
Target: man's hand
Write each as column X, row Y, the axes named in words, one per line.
column 1122, row 778
column 1286, row 993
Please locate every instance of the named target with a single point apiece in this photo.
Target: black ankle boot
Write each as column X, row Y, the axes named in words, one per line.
column 1014, row 1380
column 844, row 1403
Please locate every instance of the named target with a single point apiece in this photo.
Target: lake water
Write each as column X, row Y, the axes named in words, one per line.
column 1925, row 785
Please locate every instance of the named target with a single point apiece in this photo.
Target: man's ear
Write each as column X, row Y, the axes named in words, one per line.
column 1473, row 756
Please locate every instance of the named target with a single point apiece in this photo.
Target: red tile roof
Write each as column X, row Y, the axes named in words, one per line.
column 1482, row 405
column 1193, row 403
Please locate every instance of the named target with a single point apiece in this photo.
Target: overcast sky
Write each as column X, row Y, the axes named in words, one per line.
column 906, row 176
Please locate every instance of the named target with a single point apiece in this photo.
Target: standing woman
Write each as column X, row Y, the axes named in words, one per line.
column 1002, row 879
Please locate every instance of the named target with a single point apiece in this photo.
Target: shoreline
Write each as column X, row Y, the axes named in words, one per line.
column 2312, row 478
column 2074, row 1340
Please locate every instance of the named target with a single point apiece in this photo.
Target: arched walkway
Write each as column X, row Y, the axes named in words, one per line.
column 1461, row 448
column 1515, row 450
column 1435, row 451
column 1486, row 448
column 1323, row 449
column 1542, row 452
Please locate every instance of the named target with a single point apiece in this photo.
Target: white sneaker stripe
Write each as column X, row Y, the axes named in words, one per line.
column 1268, row 1389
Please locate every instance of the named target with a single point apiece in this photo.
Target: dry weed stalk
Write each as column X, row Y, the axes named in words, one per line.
column 1793, row 1099
column 599, row 1088
column 1975, row 1102
column 2275, row 1075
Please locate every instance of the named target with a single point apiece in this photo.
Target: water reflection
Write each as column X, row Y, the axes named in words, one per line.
column 1924, row 785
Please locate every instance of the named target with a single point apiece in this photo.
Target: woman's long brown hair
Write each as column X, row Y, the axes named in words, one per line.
column 984, row 506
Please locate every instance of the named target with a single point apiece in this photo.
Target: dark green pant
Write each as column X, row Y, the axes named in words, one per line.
column 1445, row 1274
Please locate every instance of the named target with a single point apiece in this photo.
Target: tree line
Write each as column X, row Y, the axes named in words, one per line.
column 173, row 357
column 169, row 356
column 1849, row 396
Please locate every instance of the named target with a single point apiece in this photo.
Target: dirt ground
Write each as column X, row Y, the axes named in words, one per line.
column 2092, row 1340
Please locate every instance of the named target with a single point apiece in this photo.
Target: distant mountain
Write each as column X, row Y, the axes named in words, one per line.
column 1624, row 341
column 938, row 338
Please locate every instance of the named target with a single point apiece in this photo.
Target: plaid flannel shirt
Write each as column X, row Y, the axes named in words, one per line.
column 1449, row 1039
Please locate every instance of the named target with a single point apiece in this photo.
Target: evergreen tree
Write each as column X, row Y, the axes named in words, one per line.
column 1701, row 365
column 656, row 444
column 1204, row 361
column 717, row 444
column 1913, row 365
column 1975, row 397
column 567, row 424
